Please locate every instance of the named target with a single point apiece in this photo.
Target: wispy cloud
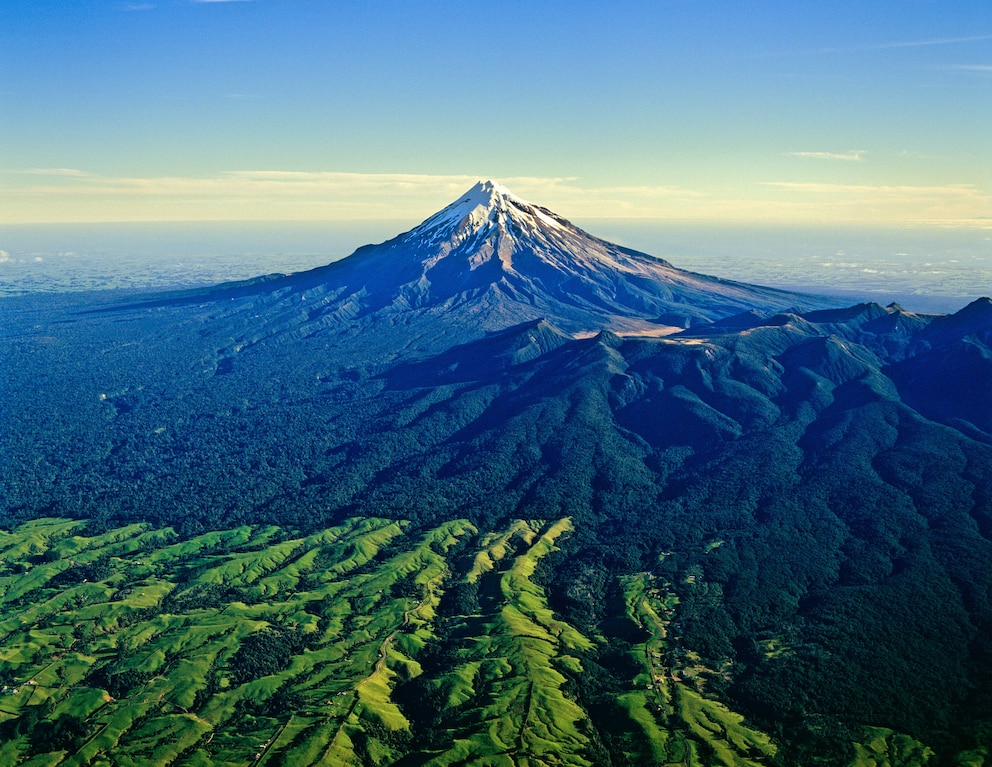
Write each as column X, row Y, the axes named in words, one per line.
column 65, row 172
column 66, row 194
column 978, row 69
column 880, row 46
column 908, row 44
column 242, row 194
column 819, row 187
column 934, row 41
column 315, row 195
column 964, row 204
column 139, row 7
column 851, row 155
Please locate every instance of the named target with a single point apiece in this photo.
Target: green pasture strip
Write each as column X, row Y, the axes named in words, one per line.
column 294, row 727
column 238, row 745
column 675, row 718
column 161, row 739
column 200, row 546
column 189, row 677
column 10, row 751
column 374, row 699
column 526, row 600
column 494, row 546
column 723, row 730
column 83, row 702
column 885, row 748
column 244, row 568
column 34, row 537
column 63, row 601
column 44, row 760
column 111, row 723
column 15, row 587
column 428, row 568
column 119, row 542
column 287, row 576
column 505, row 703
column 365, row 543
column 637, row 705
column 322, row 743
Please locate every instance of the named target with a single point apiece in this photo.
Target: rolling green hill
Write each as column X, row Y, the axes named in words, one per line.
column 366, row 643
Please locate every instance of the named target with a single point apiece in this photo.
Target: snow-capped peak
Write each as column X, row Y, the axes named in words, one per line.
column 486, row 206
column 486, row 194
column 489, row 190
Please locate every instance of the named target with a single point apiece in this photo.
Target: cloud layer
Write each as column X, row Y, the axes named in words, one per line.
column 289, row 195
column 851, row 155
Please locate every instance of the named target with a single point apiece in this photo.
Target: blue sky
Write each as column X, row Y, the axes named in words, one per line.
column 813, row 112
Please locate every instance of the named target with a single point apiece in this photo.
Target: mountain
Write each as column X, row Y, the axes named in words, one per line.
column 487, row 261
column 471, row 496
column 503, row 260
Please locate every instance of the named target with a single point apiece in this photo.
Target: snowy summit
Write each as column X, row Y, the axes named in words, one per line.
column 485, row 207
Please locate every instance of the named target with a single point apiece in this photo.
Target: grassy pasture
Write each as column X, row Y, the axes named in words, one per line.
column 147, row 639
column 254, row 646
column 505, row 704
column 679, row 721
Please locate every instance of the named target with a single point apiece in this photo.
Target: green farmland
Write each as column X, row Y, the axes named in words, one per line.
column 365, row 644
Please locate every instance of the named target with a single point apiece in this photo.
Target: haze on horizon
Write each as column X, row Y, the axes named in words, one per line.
column 186, row 110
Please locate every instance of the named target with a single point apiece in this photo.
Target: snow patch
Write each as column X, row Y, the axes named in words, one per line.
column 487, row 206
